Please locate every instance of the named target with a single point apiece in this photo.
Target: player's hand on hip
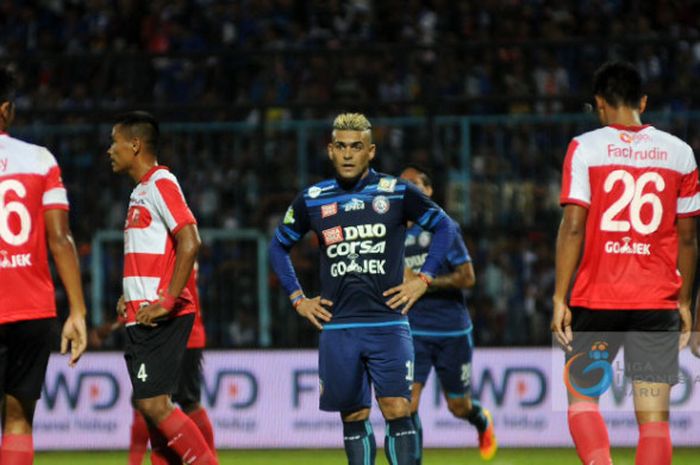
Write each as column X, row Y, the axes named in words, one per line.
column 406, row 294
column 74, row 333
column 315, row 309
column 121, row 307
column 561, row 325
column 148, row 314
column 686, row 325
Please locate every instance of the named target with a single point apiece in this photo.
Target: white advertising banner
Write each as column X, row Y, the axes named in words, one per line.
column 269, row 399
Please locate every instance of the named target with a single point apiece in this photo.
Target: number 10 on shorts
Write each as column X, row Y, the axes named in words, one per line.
column 142, row 373
column 409, row 370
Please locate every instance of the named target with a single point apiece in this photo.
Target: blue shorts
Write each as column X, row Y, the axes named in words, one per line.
column 452, row 358
column 350, row 358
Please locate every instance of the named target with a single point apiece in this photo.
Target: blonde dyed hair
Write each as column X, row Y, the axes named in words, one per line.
column 351, row 122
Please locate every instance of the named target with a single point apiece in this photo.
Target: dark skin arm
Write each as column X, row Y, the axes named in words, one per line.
column 65, row 256
column 569, row 245
column 687, row 261
column 462, row 277
column 187, row 246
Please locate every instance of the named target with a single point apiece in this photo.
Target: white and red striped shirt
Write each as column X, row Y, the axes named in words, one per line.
column 635, row 182
column 30, row 184
column 157, row 211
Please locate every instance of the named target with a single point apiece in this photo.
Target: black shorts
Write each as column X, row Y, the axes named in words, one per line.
column 154, row 355
column 650, row 339
column 189, row 386
column 24, row 354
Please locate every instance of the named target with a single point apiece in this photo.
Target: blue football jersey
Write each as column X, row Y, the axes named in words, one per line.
column 361, row 232
column 444, row 310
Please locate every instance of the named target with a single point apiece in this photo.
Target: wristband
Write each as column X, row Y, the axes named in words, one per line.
column 296, row 301
column 168, row 301
column 425, row 278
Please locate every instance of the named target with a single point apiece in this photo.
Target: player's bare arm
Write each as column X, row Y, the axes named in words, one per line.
column 313, row 309
column 687, row 260
column 462, row 277
column 569, row 245
column 65, row 256
column 407, row 293
column 186, row 249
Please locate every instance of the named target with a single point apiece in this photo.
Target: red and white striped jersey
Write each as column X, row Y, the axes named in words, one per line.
column 157, row 211
column 30, row 184
column 635, row 182
column 198, row 337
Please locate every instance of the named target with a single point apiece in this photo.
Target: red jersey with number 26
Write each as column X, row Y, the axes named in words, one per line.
column 30, row 184
column 635, row 182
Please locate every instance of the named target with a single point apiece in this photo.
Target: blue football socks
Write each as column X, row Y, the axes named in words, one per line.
column 419, row 438
column 400, row 442
column 360, row 445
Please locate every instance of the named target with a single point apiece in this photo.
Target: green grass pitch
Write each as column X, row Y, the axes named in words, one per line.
column 685, row 456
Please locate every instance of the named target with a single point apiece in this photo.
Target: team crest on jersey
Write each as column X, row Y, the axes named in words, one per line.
column 137, row 217
column 289, row 216
column 381, row 204
column 354, row 204
column 424, row 239
column 332, row 235
column 386, row 185
column 329, row 210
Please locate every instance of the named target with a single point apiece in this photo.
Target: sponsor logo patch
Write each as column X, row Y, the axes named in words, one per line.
column 329, row 210
column 354, row 205
column 386, row 185
column 289, row 216
column 332, row 235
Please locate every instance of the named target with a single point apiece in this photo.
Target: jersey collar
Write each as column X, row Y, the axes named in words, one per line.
column 359, row 185
column 622, row 127
column 150, row 172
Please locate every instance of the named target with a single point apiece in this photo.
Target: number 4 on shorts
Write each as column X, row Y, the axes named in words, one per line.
column 142, row 373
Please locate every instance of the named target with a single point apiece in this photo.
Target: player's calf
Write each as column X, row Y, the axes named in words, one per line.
column 400, row 443
column 359, row 441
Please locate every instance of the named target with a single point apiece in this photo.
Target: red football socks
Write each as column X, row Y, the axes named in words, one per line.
column 589, row 433
column 201, row 419
column 139, row 439
column 185, row 438
column 654, row 446
column 161, row 454
column 17, row 449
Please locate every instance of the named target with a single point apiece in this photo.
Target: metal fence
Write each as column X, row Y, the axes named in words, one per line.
column 497, row 175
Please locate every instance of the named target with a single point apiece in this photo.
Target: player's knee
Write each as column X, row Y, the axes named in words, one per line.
column 155, row 409
column 394, row 407
column 18, row 416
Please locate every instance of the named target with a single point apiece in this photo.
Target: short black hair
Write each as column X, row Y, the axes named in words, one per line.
column 619, row 83
column 143, row 125
column 8, row 84
column 423, row 171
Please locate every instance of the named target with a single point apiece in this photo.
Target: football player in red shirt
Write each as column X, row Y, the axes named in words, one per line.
column 627, row 243
column 33, row 212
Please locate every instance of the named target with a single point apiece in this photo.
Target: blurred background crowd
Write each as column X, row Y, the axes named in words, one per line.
column 248, row 89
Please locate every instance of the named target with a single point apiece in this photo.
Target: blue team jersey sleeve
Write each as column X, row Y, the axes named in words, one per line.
column 428, row 215
column 290, row 230
column 458, row 254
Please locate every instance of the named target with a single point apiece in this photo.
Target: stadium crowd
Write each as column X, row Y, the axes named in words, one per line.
column 270, row 62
